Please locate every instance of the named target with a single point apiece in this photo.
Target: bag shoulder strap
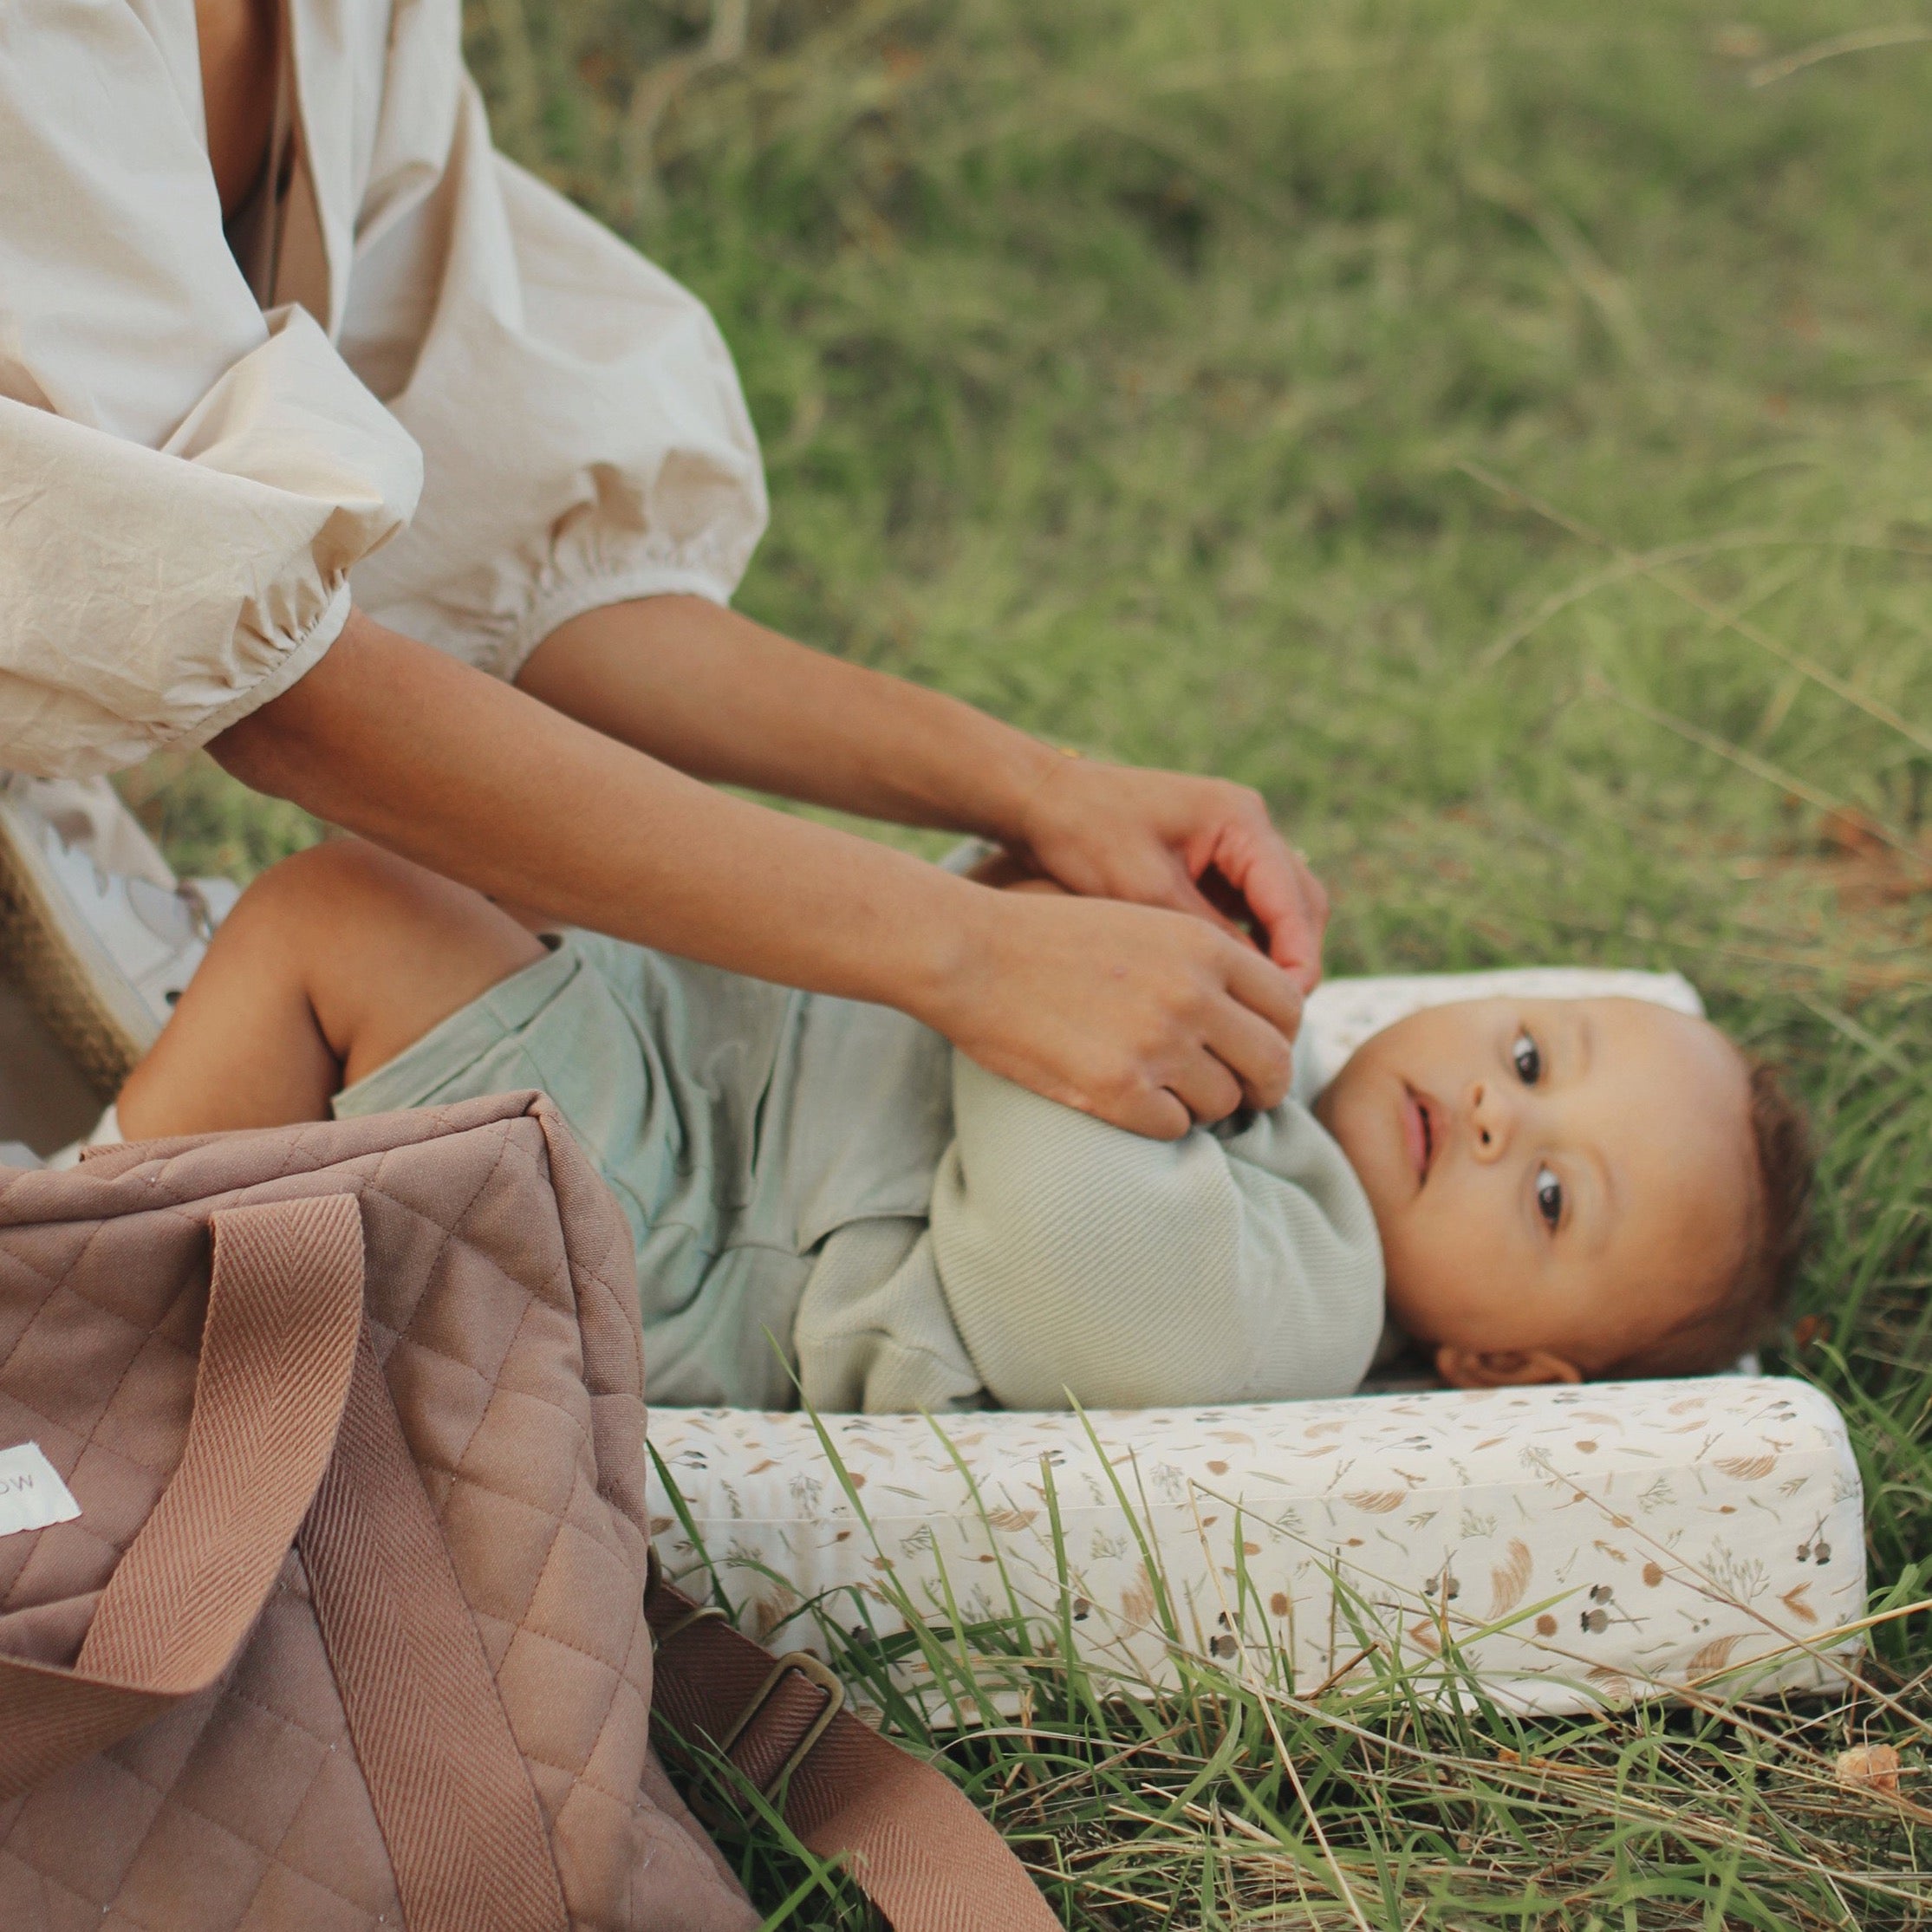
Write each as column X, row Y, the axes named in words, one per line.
column 923, row 1853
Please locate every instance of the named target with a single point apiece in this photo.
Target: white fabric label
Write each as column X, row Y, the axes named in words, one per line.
column 31, row 1494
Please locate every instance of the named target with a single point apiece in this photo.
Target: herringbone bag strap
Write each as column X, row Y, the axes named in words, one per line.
column 465, row 1836
column 924, row 1855
column 285, row 1309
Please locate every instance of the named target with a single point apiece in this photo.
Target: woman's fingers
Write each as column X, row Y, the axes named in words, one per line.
column 1160, row 1114
column 1256, row 1054
column 1157, row 876
column 1155, row 837
column 1241, row 1058
column 1140, row 1016
column 1246, row 1057
column 1187, row 896
column 1305, row 940
column 1265, row 989
column 1205, row 1088
column 1285, row 896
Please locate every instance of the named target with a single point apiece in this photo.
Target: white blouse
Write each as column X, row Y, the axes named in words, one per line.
column 469, row 408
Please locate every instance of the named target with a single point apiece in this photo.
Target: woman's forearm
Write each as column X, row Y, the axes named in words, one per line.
column 724, row 699
column 1149, row 1017
column 488, row 785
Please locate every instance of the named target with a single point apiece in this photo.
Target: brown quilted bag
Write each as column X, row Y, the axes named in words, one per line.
column 356, row 1625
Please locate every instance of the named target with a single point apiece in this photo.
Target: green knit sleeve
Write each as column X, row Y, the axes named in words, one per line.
column 1080, row 1261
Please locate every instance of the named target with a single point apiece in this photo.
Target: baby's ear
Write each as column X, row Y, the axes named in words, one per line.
column 1502, row 1368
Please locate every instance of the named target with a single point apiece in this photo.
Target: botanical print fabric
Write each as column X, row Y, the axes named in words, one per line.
column 1578, row 1544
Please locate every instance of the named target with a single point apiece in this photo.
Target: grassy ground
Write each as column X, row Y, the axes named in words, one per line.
column 1498, row 431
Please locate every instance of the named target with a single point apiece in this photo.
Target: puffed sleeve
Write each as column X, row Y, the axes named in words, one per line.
column 1078, row 1258
column 184, row 484
column 584, row 436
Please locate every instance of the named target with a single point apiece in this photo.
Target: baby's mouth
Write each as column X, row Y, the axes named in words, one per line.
column 1419, row 1130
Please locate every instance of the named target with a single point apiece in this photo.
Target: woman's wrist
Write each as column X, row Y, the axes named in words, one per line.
column 1010, row 787
column 950, row 929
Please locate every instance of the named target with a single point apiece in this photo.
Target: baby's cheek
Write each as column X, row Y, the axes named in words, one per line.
column 1445, row 1286
column 1422, row 1277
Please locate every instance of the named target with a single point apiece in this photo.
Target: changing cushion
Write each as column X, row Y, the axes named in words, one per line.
column 1580, row 1545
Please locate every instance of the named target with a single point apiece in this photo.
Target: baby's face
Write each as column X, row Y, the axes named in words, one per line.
column 1557, row 1182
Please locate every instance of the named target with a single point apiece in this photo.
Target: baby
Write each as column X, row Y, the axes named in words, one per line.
column 825, row 1198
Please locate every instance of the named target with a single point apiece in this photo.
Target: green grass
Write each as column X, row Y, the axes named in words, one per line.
column 1498, row 430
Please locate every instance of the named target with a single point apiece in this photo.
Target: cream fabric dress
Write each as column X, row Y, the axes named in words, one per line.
column 456, row 399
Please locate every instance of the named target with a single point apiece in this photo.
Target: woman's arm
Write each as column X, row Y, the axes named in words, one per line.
column 1148, row 1020
column 717, row 696
column 724, row 699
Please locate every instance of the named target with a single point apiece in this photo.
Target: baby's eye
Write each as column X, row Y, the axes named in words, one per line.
column 1549, row 1194
column 1529, row 1061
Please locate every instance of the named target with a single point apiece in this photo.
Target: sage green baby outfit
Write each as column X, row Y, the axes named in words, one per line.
column 823, row 1188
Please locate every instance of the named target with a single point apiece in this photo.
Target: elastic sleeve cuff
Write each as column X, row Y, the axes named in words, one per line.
column 555, row 608
column 301, row 658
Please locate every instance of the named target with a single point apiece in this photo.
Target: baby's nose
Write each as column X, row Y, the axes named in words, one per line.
column 1490, row 1122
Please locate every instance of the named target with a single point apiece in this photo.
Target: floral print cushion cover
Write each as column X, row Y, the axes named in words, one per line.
column 1575, row 1545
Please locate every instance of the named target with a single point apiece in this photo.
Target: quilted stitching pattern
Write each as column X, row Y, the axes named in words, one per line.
column 500, row 1295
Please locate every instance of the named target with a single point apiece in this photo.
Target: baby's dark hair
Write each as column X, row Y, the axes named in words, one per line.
column 1748, row 1312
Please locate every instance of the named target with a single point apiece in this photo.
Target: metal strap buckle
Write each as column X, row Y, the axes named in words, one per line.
column 810, row 1668
column 699, row 1613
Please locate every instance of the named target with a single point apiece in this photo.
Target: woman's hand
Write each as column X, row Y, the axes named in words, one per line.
column 1148, row 1019
column 1161, row 838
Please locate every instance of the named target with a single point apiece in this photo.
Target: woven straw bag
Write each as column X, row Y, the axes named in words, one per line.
column 356, row 1625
